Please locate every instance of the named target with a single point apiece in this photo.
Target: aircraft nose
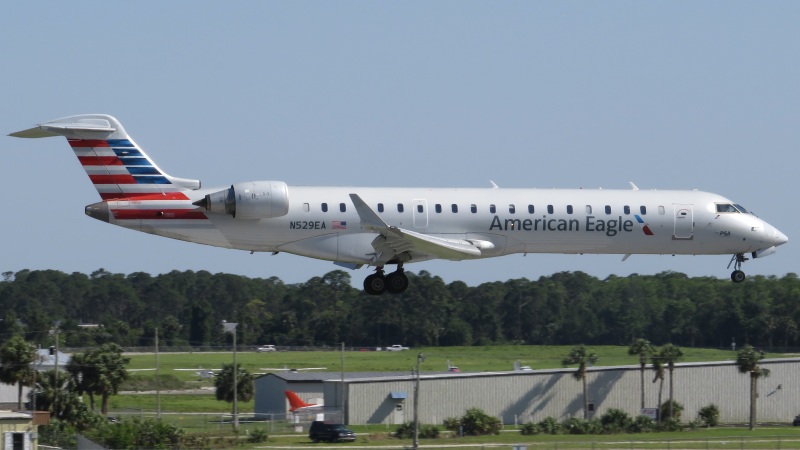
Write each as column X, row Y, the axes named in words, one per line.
column 774, row 236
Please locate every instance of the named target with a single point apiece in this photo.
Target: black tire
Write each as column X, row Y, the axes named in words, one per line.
column 375, row 284
column 737, row 276
column 396, row 282
column 314, row 440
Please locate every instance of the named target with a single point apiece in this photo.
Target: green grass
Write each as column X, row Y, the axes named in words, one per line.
column 469, row 359
column 202, row 413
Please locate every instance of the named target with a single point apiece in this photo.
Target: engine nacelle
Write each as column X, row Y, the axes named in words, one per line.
column 251, row 200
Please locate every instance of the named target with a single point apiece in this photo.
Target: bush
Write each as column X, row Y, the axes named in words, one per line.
column 577, row 425
column 452, row 423
column 670, row 424
column 530, row 429
column 677, row 409
column 615, row 421
column 642, row 424
column 406, row 431
column 477, row 423
column 258, row 436
column 549, row 425
column 148, row 433
column 709, row 415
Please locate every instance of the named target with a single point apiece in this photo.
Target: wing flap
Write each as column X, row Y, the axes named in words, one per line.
column 396, row 240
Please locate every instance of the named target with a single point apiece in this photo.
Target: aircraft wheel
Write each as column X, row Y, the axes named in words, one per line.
column 396, row 282
column 737, row 276
column 375, row 284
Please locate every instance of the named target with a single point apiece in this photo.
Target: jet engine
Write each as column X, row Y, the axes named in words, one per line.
column 250, row 200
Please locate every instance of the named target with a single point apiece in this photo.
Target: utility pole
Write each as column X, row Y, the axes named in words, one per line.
column 230, row 327
column 158, row 383
column 341, row 388
column 420, row 358
column 56, row 331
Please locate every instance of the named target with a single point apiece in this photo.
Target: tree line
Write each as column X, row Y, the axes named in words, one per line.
column 565, row 308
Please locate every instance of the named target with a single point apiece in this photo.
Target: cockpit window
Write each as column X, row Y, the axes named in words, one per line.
column 731, row 208
column 741, row 208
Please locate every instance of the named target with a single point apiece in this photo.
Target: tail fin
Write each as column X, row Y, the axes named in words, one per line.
column 117, row 167
column 295, row 402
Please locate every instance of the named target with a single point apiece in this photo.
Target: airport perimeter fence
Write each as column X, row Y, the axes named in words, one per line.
column 226, row 349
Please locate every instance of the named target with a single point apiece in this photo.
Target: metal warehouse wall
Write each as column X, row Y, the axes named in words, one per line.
column 532, row 396
column 270, row 397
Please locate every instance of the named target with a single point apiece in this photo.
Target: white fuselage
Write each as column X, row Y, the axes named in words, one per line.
column 561, row 221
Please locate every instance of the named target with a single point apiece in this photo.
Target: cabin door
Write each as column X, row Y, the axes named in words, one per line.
column 684, row 221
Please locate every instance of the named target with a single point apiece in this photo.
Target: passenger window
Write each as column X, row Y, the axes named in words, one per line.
column 438, row 208
column 530, row 209
column 306, row 207
column 492, row 209
column 608, row 209
column 419, row 208
column 473, row 208
column 569, row 209
column 380, row 207
column 512, row 209
column 588, row 209
column 626, row 209
column 643, row 210
column 454, row 207
column 549, row 209
column 324, row 207
column 342, row 207
column 661, row 210
column 400, row 207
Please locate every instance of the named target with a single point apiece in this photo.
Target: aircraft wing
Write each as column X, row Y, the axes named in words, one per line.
column 396, row 240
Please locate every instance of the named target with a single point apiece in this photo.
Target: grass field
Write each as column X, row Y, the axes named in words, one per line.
column 202, row 413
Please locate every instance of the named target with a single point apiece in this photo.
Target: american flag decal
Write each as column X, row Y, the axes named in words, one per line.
column 339, row 225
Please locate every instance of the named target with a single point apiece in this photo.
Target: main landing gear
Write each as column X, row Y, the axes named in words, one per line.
column 737, row 276
column 378, row 283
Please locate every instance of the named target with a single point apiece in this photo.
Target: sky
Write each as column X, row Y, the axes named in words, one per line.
column 669, row 95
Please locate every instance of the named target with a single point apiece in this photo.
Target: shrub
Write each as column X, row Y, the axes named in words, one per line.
column 476, row 423
column 709, row 415
column 615, row 421
column 452, row 423
column 670, row 424
column 642, row 424
column 406, row 431
column 530, row 429
column 577, row 425
column 677, row 409
column 258, row 436
column 549, row 425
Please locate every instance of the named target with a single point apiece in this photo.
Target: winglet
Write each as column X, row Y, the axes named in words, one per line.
column 633, row 186
column 369, row 219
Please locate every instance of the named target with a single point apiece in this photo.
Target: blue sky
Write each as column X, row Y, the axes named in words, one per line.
column 670, row 95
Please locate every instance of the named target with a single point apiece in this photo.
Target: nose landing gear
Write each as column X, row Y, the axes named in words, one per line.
column 378, row 283
column 737, row 276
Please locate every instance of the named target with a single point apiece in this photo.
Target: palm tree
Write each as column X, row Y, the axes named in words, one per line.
column 669, row 355
column 747, row 360
column 658, row 367
column 644, row 349
column 580, row 356
column 17, row 355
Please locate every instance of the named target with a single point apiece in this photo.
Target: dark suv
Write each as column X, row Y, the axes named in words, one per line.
column 796, row 421
column 331, row 432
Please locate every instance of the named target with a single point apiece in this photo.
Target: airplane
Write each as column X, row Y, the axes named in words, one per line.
column 201, row 372
column 376, row 227
column 291, row 369
column 296, row 404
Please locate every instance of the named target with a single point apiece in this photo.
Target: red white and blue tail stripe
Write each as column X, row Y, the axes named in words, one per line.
column 117, row 167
